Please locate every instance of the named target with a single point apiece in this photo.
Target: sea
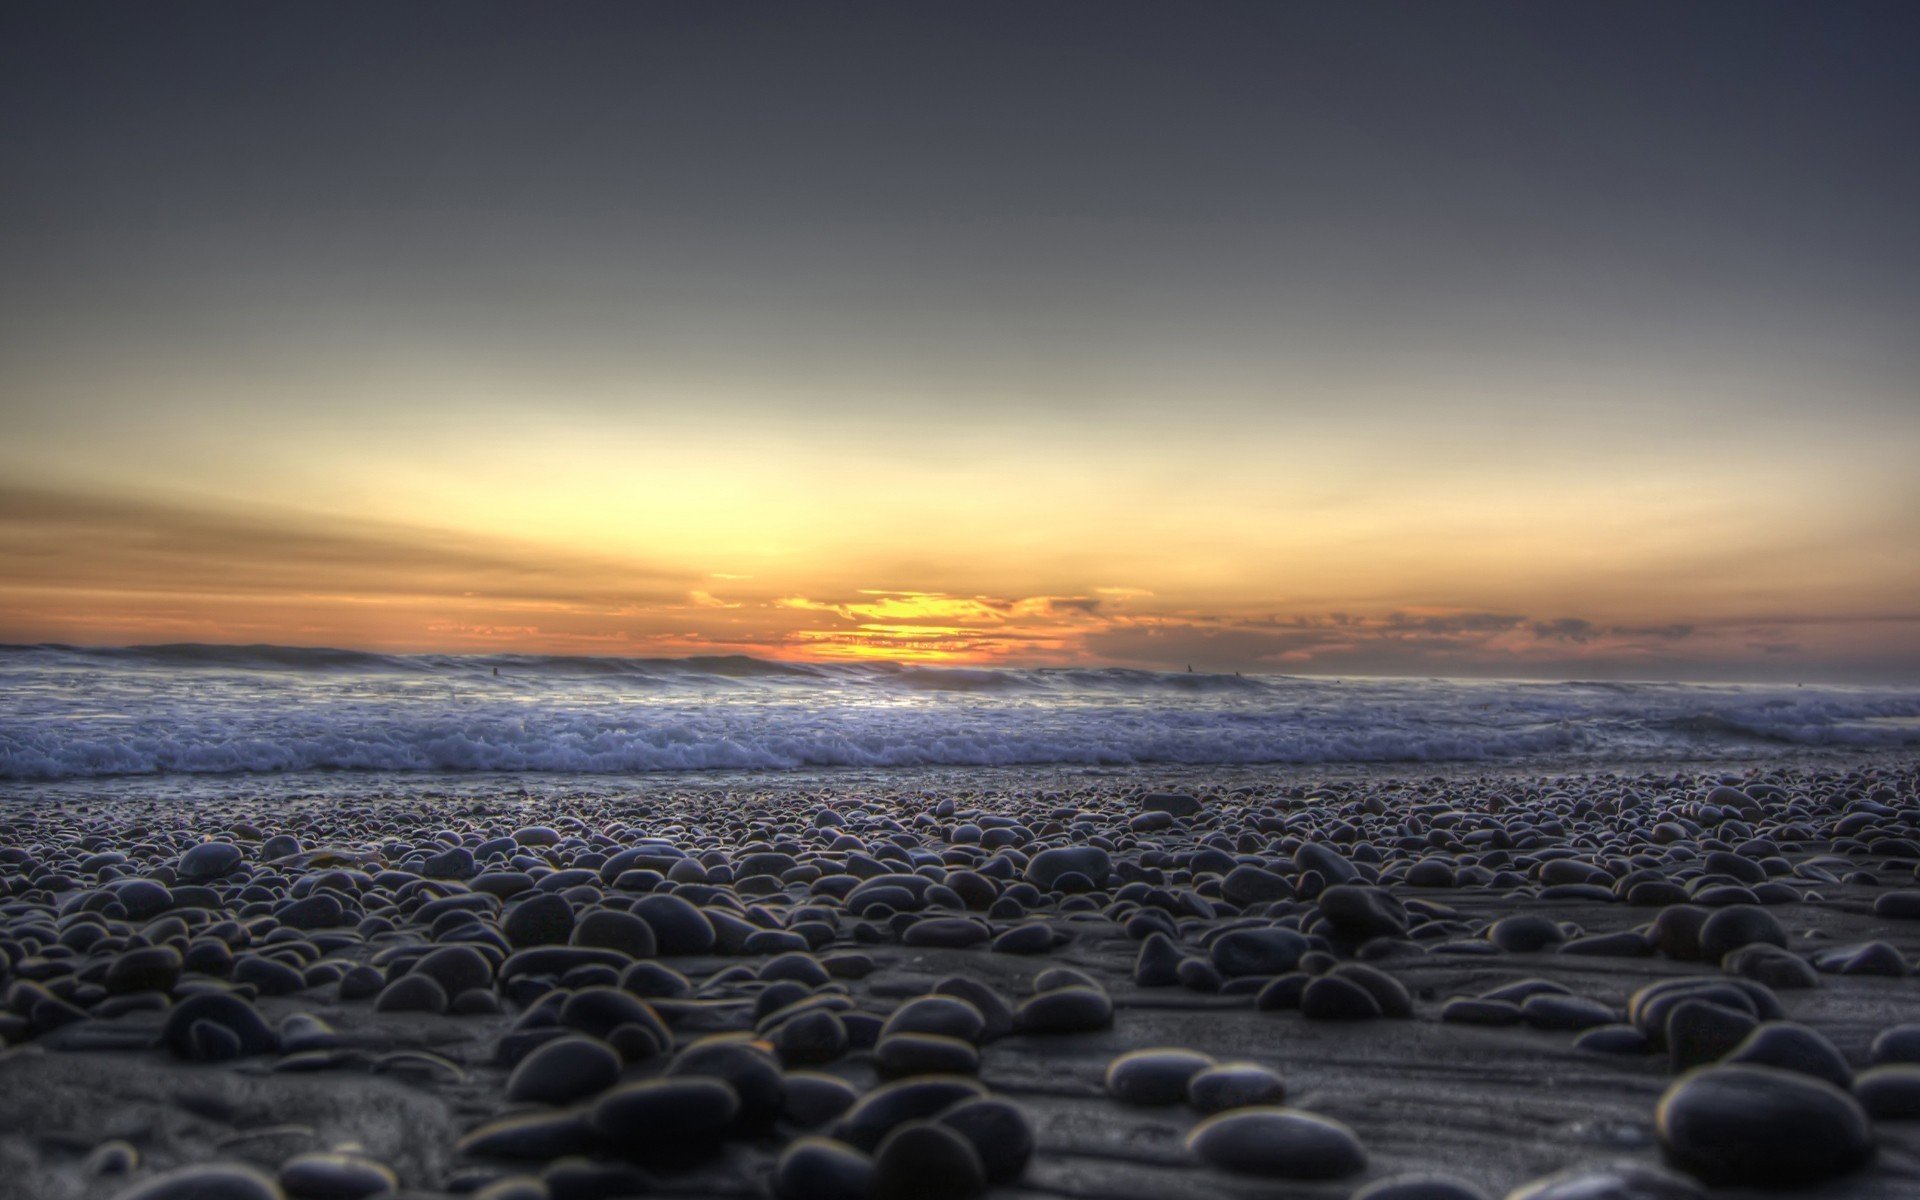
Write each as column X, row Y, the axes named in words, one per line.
column 91, row 718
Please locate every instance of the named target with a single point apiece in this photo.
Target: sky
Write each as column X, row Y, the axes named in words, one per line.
column 1466, row 339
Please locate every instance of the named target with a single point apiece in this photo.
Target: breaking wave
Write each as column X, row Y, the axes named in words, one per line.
column 68, row 713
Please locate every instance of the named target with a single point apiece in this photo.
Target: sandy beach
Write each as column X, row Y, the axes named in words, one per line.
column 817, row 990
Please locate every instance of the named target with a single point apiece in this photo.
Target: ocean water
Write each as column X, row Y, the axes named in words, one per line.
column 213, row 711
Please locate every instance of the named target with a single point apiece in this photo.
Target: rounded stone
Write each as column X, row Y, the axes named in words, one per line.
column 664, row 1114
column 950, row 933
column 1235, row 1085
column 925, row 1160
column 1896, row 1044
column 1331, row 998
column 1890, row 1092
column 1610, row 1181
column 1570, row 1014
column 456, row 969
column 1792, row 1047
column 752, row 1073
column 1065, row 1010
column 598, row 1011
column 1154, row 1078
column 1525, row 933
column 1421, row 1187
column 1737, row 925
column 811, row 1037
column 213, row 1182
column 926, row 1054
column 1281, row 1143
column 816, row 1168
column 890, row 1104
column 611, row 929
column 999, row 1132
column 319, row 911
column 545, row 919
column 209, row 860
column 252, row 1034
column 1046, row 868
column 145, row 969
column 113, row 1157
column 412, row 993
column 564, row 1070
column 1357, row 912
column 678, row 927
column 948, row 1016
column 1257, row 951
column 335, row 1177
column 812, row 1099
column 1761, row 1126
column 1900, row 906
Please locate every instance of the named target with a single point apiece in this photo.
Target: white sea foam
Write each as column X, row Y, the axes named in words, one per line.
column 67, row 714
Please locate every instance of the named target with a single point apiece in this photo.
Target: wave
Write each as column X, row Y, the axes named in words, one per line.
column 204, row 710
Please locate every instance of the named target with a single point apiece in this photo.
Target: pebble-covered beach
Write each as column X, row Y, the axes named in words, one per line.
column 1653, row 984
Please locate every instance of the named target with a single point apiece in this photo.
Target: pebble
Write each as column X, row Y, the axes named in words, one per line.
column 1896, row 1044
column 1256, row 951
column 541, row 920
column 665, row 1117
column 335, row 1177
column 610, row 929
column 221, row 1182
column 249, row 1030
column 1332, row 998
column 1525, row 933
column 563, row 1071
column 1890, row 1092
column 114, row 1157
column 1235, row 1085
column 1610, row 1181
column 1278, row 1142
column 1154, row 1077
column 1740, row 1126
column 1699, row 1031
column 1422, row 1187
column 1046, row 868
column 949, row 1016
column 1357, row 913
column 537, row 1137
column 1065, row 1010
column 678, row 927
column 925, row 1160
column 811, row 1099
column 904, row 1100
column 412, row 993
column 925, row 1054
column 209, row 860
column 1739, row 925
column 1793, row 1047
column 815, row 1168
column 999, row 1133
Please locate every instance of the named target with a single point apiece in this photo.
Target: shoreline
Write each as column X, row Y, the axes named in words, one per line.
column 367, row 782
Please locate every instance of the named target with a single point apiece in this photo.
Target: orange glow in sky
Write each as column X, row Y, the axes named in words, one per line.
column 1281, row 338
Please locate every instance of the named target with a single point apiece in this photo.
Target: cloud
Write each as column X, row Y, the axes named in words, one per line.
column 85, row 567
column 93, row 568
column 1566, row 629
column 1673, row 632
column 1450, row 623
